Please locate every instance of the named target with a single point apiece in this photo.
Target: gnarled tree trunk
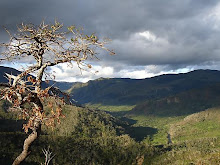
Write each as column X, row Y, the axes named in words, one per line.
column 27, row 143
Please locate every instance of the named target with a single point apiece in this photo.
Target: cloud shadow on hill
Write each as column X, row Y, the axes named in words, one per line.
column 139, row 133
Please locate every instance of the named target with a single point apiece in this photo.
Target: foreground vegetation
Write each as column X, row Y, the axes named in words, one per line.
column 84, row 137
column 195, row 138
column 95, row 137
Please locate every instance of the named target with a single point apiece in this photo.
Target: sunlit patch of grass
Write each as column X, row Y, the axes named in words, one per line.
column 111, row 108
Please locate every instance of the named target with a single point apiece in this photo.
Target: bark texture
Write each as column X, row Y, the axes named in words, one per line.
column 27, row 143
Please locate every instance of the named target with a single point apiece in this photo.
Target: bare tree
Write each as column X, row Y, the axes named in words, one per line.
column 48, row 156
column 46, row 45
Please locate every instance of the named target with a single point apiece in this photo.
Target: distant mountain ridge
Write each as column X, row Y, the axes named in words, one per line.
column 61, row 85
column 118, row 91
column 8, row 70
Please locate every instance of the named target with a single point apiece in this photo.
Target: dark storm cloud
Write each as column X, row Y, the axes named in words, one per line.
column 171, row 34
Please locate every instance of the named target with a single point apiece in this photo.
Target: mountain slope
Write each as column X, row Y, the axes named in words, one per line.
column 196, row 140
column 183, row 103
column 132, row 91
column 195, row 126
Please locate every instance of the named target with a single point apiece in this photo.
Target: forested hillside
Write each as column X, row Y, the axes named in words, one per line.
column 183, row 103
column 84, row 136
column 132, row 91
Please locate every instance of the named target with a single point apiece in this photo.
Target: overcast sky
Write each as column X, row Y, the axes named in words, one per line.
column 149, row 37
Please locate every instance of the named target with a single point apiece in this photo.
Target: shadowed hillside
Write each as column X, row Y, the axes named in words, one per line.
column 132, row 91
column 184, row 103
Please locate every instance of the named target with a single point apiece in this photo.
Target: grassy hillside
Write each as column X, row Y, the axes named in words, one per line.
column 205, row 151
column 198, row 125
column 196, row 140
